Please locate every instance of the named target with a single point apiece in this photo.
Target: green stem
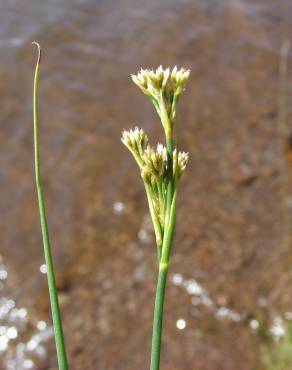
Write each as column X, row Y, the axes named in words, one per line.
column 164, row 261
column 160, row 290
column 169, row 233
column 158, row 316
column 56, row 314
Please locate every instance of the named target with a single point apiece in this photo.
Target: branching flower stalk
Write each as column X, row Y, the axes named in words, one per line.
column 161, row 169
column 56, row 314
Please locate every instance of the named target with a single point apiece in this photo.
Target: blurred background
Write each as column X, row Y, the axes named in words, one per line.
column 230, row 285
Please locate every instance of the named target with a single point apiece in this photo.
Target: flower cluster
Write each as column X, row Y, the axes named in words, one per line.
column 180, row 163
column 152, row 162
column 136, row 141
column 160, row 167
column 152, row 83
column 164, row 87
column 153, row 166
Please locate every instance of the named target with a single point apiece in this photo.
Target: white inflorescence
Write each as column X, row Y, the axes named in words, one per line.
column 135, row 140
column 163, row 86
column 153, row 163
column 152, row 82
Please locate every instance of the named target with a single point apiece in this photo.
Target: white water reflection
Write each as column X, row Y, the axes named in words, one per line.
column 278, row 328
column 181, row 324
column 145, row 234
column 254, row 324
column 200, row 298
column 17, row 353
column 119, row 207
column 43, row 268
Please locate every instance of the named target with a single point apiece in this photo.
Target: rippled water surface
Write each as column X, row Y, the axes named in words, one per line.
column 230, row 266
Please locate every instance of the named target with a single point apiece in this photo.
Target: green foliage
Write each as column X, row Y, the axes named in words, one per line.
column 53, row 293
column 277, row 355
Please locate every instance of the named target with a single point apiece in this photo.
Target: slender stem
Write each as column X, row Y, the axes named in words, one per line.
column 169, row 233
column 158, row 316
column 160, row 290
column 56, row 314
column 164, row 261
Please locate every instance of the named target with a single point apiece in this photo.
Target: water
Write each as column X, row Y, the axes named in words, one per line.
column 228, row 263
